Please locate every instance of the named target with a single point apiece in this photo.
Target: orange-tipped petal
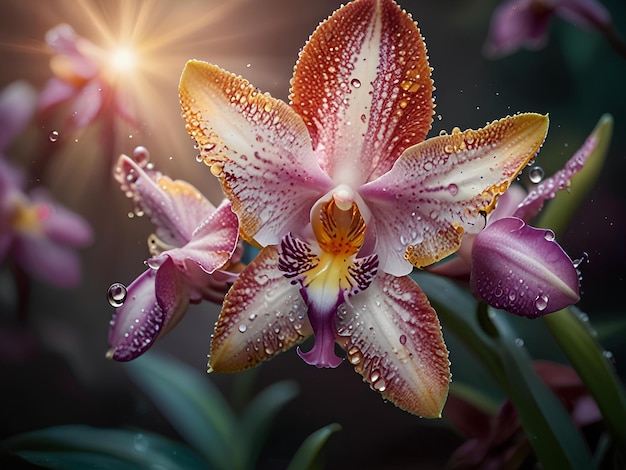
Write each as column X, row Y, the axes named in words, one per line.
column 263, row 314
column 393, row 338
column 445, row 186
column 362, row 85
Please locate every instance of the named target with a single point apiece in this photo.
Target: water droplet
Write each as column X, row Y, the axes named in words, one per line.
column 140, row 443
column 402, row 339
column 116, row 294
column 141, row 155
column 453, row 189
column 548, row 235
column 541, row 302
column 53, row 136
column 242, row 328
column 583, row 259
column 519, row 342
column 355, row 82
column 535, row 175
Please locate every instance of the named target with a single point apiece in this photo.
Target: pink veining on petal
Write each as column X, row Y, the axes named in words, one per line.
column 393, row 338
column 362, row 85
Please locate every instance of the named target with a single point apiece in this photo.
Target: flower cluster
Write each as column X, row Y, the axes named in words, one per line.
column 344, row 195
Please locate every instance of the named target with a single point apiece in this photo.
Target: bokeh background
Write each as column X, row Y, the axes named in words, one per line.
column 54, row 370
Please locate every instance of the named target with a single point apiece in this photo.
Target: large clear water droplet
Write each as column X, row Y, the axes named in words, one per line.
column 541, row 302
column 535, row 175
column 141, row 155
column 53, row 136
column 117, row 294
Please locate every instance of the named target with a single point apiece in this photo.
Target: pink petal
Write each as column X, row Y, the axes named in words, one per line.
column 88, row 104
column 17, row 106
column 141, row 320
column 584, row 13
column 532, row 204
column 516, row 24
column 445, row 186
column 47, row 260
column 175, row 207
column 522, row 269
column 59, row 223
column 362, row 85
column 212, row 243
column 54, row 93
column 258, row 147
column 263, row 314
column 393, row 338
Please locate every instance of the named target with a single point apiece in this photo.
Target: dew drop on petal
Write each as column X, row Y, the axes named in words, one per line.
column 141, row 156
column 53, row 136
column 116, row 294
column 535, row 175
column 402, row 339
column 355, row 82
column 541, row 302
column 548, row 235
column 242, row 328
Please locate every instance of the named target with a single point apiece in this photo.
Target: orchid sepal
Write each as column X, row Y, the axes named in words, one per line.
column 262, row 315
column 393, row 339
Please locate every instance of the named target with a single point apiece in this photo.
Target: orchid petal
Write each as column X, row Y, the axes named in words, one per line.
column 58, row 223
column 263, row 314
column 88, row 104
column 362, row 85
column 212, row 243
column 56, row 91
column 47, row 260
column 258, row 147
column 393, row 338
column 522, row 269
column 533, row 202
column 175, row 207
column 142, row 319
column 445, row 186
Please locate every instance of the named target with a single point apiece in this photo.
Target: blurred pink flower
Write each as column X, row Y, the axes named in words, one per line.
column 496, row 442
column 83, row 78
column 38, row 233
column 524, row 23
column 195, row 256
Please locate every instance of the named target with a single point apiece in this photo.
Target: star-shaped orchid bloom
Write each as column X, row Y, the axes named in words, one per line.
column 36, row 231
column 514, row 266
column 85, row 77
column 346, row 196
column 195, row 254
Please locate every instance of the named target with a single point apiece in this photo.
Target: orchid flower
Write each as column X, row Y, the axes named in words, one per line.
column 37, row 232
column 524, row 23
column 85, row 76
column 195, row 254
column 344, row 195
column 514, row 266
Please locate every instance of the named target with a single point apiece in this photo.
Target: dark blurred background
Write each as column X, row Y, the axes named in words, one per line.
column 58, row 373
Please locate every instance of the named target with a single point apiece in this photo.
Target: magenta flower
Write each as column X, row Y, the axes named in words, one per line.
column 524, row 23
column 86, row 77
column 38, row 233
column 516, row 267
column 195, row 254
column 345, row 196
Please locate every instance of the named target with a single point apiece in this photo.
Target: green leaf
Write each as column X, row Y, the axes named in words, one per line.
column 596, row 372
column 308, row 453
column 193, row 406
column 559, row 212
column 258, row 416
column 548, row 426
column 78, row 446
